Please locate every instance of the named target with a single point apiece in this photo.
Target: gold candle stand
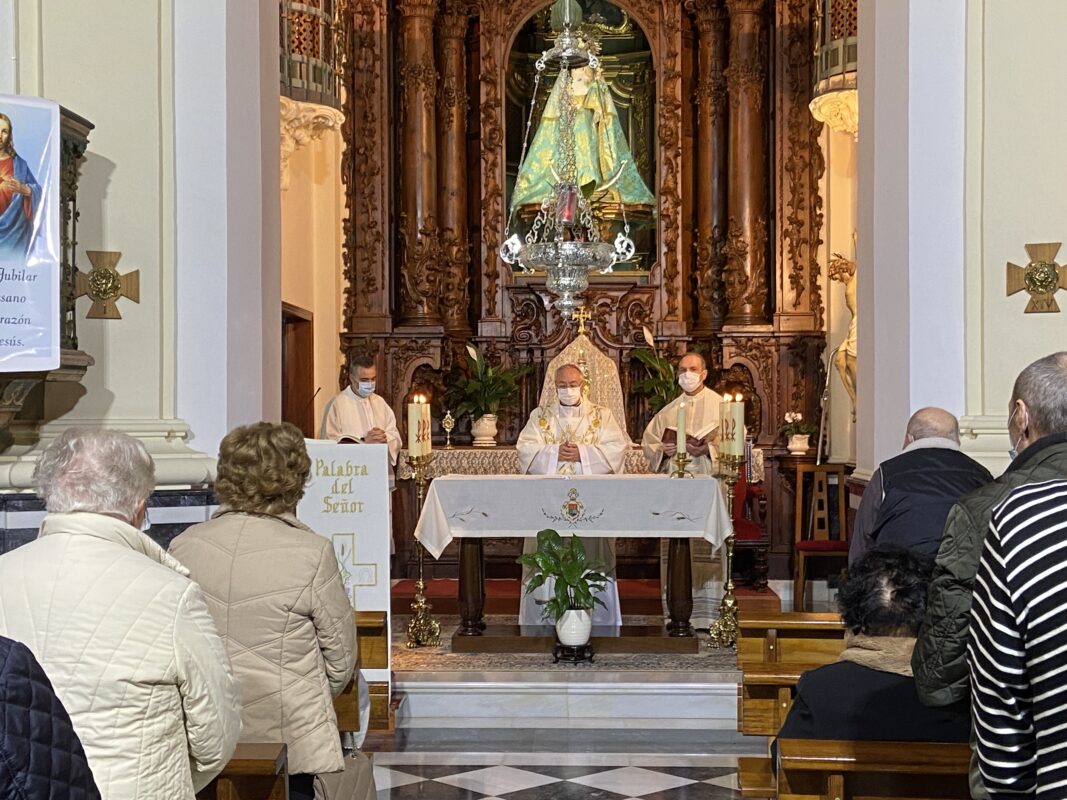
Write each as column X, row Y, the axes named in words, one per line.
column 679, row 461
column 423, row 629
column 724, row 630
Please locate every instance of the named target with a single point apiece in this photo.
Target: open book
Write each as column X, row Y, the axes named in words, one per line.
column 671, row 434
column 349, row 439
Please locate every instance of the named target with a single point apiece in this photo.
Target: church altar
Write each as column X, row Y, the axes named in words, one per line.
column 621, row 506
column 504, row 460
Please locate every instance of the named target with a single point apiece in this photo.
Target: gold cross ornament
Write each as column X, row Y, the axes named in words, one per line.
column 582, row 314
column 1041, row 278
column 104, row 285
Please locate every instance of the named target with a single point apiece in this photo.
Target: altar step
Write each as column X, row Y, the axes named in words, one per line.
column 637, row 596
column 568, row 699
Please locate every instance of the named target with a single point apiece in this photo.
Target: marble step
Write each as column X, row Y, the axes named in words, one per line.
column 570, row 698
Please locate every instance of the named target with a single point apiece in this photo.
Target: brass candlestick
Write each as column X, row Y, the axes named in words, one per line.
column 680, row 460
column 724, row 630
column 447, row 425
column 423, row 629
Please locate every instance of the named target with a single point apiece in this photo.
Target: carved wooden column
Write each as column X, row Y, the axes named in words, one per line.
column 711, row 160
column 452, row 167
column 420, row 248
column 746, row 241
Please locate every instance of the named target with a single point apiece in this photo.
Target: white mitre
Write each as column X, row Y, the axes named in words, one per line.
column 602, row 385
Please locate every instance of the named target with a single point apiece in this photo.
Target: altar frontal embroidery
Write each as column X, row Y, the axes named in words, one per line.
column 573, row 511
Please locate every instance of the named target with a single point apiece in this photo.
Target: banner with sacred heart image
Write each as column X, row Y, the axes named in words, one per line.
column 29, row 234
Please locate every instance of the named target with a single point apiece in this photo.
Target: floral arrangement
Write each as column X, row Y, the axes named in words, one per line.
column 659, row 384
column 578, row 579
column 796, row 426
column 485, row 389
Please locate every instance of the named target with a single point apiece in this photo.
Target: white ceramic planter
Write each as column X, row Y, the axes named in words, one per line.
column 484, row 430
column 799, row 443
column 574, row 627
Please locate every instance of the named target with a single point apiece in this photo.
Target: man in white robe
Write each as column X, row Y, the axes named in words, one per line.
column 573, row 436
column 358, row 414
column 660, row 446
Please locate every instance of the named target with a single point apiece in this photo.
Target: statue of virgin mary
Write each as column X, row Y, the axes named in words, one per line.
column 602, row 154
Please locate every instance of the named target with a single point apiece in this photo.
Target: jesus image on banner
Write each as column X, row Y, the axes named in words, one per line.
column 19, row 197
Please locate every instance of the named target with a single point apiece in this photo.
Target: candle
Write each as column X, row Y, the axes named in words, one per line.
column 418, row 426
column 681, row 427
column 732, row 426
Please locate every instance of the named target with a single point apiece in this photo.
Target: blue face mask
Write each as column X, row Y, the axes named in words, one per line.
column 1013, row 453
column 365, row 388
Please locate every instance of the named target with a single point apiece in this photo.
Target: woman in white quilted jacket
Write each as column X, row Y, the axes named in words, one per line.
column 122, row 633
column 275, row 591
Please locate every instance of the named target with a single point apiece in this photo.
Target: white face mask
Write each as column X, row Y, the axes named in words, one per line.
column 365, row 388
column 570, row 395
column 689, row 381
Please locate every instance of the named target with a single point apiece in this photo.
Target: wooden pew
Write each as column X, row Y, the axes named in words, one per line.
column 812, row 769
column 256, row 772
column 373, row 654
column 794, row 637
column 773, row 649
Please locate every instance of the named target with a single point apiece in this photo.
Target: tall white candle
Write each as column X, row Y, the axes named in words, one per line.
column 413, row 428
column 427, row 443
column 681, row 427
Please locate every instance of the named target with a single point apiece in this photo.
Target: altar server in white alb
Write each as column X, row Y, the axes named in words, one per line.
column 358, row 414
column 660, row 444
column 573, row 436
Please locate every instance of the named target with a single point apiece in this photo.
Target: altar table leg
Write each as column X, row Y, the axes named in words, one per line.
column 679, row 588
column 471, row 587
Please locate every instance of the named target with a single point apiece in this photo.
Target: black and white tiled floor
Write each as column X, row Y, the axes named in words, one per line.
column 554, row 782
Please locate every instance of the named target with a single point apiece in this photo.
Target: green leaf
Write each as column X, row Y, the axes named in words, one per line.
column 536, row 582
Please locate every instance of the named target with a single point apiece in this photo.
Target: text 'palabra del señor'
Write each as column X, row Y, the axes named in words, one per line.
column 338, row 469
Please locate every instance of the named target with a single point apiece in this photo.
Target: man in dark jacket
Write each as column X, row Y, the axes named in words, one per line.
column 909, row 496
column 869, row 694
column 41, row 756
column 1037, row 430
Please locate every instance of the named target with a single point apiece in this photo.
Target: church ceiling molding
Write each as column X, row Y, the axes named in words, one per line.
column 301, row 124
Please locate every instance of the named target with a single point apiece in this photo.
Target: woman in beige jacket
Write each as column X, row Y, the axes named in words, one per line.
column 275, row 591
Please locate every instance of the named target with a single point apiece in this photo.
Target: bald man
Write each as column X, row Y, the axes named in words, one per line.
column 909, row 496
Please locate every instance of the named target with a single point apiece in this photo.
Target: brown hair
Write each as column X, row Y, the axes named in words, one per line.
column 263, row 467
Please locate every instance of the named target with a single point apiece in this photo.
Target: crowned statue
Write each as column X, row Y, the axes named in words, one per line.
column 602, row 155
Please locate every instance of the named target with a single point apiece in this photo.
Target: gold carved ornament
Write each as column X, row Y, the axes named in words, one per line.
column 105, row 286
column 1041, row 278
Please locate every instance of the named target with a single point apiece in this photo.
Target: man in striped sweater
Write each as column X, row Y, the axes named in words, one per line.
column 1018, row 647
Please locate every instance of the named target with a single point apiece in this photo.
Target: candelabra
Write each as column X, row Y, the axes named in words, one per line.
column 724, row 629
column 447, row 425
column 423, row 629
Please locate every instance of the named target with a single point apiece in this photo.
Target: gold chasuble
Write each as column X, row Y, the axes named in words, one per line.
column 602, row 446
column 702, row 421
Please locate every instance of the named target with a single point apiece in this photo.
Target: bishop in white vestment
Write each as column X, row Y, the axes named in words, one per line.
column 573, row 436
column 659, row 445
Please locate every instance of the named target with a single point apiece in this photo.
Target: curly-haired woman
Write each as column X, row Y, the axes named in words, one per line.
column 275, row 591
column 869, row 694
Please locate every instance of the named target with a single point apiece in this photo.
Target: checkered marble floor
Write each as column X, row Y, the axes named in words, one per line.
column 555, row 782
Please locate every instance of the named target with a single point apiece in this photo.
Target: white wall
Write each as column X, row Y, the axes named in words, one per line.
column 1016, row 174
column 911, row 344
column 181, row 176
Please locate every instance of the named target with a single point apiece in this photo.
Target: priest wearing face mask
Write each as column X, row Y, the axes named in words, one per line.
column 573, row 436
column 358, row 414
column 660, row 445
column 702, row 422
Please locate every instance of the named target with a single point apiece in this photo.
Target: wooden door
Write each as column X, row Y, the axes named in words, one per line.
column 298, row 369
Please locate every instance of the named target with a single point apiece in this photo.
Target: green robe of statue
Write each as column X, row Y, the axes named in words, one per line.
column 599, row 143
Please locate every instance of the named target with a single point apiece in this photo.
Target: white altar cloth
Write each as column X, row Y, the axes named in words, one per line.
column 484, row 506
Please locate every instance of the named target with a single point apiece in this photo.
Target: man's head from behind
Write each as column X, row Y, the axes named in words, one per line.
column 885, row 594
column 363, row 374
column 1038, row 404
column 931, row 422
column 96, row 470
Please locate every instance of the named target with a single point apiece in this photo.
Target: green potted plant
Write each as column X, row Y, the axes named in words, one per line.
column 659, row 384
column 573, row 582
column 484, row 392
column 797, row 432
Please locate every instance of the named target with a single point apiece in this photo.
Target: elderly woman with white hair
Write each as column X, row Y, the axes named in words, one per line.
column 123, row 634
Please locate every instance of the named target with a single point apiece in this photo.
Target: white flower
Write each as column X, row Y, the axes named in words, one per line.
column 793, row 416
column 649, row 339
column 473, row 353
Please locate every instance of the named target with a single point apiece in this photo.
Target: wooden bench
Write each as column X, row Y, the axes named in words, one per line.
column 373, row 654
column 795, row 637
column 256, row 772
column 773, row 649
column 756, row 777
column 813, row 769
